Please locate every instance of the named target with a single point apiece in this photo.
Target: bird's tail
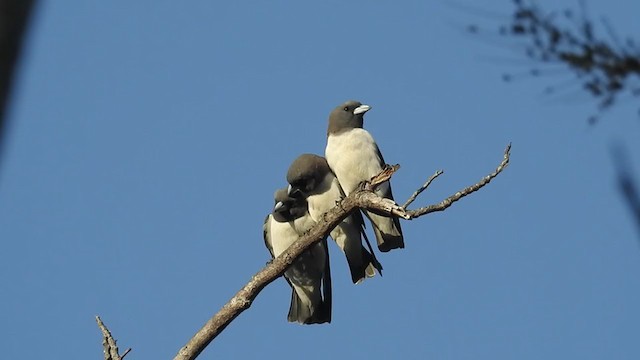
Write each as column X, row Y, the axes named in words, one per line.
column 299, row 311
column 348, row 235
column 312, row 304
column 387, row 230
column 304, row 312
column 370, row 259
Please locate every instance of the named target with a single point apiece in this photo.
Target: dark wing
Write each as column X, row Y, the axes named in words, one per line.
column 382, row 162
column 369, row 256
column 326, row 283
column 397, row 239
column 266, row 234
column 388, row 194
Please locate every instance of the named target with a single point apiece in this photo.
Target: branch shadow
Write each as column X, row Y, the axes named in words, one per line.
column 627, row 182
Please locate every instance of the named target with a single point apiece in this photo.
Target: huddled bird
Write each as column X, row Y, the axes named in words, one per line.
column 309, row 177
column 315, row 185
column 310, row 275
column 354, row 156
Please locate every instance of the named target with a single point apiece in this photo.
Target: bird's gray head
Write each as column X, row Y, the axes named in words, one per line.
column 306, row 172
column 288, row 208
column 347, row 116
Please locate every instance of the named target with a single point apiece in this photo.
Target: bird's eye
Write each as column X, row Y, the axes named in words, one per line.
column 346, row 108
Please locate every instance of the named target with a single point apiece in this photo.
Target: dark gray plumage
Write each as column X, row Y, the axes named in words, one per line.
column 353, row 156
column 310, row 275
column 309, row 177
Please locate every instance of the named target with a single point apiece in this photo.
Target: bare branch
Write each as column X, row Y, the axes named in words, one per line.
column 361, row 198
column 369, row 200
column 110, row 348
column 242, row 300
column 441, row 206
column 424, row 187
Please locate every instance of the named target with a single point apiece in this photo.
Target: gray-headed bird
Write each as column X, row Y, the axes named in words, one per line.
column 354, row 156
column 310, row 178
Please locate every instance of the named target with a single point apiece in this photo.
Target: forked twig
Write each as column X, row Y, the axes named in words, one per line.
column 424, row 187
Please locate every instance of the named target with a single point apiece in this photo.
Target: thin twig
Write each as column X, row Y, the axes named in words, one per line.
column 424, row 187
column 464, row 192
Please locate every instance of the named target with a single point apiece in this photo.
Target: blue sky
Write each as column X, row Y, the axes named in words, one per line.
column 147, row 139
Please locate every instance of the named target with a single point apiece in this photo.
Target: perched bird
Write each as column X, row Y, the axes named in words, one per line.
column 309, row 177
column 353, row 156
column 309, row 276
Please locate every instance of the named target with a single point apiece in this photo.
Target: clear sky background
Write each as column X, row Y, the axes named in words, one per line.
column 148, row 137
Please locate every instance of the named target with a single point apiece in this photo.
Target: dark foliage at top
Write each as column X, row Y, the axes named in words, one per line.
column 606, row 67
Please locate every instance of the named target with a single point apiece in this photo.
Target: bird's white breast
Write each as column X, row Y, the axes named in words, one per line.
column 325, row 197
column 282, row 236
column 353, row 157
